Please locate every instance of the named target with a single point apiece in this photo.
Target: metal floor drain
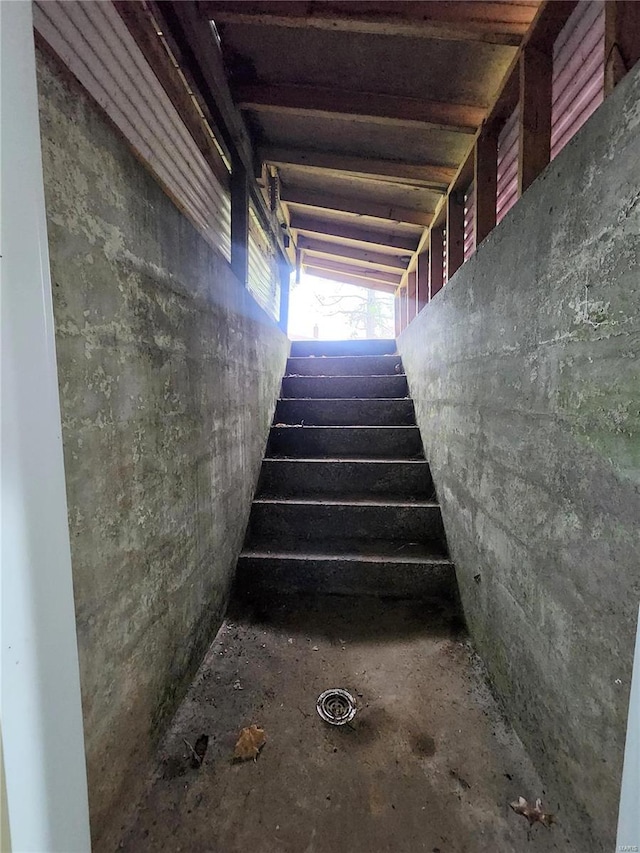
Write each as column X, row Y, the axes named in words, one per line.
column 336, row 706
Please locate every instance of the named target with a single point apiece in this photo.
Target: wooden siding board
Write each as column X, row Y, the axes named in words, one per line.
column 507, row 190
column 95, row 44
column 578, row 72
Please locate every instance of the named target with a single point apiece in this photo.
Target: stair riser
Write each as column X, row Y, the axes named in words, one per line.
column 345, row 412
column 293, row 479
column 321, row 521
column 365, row 387
column 425, row 582
column 345, row 442
column 370, row 365
column 332, row 348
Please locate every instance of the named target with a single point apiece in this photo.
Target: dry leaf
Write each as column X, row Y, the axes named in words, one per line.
column 532, row 814
column 249, row 744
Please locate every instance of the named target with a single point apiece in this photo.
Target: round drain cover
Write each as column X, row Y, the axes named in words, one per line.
column 336, row 706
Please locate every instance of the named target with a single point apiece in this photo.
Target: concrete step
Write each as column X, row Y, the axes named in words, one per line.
column 402, row 522
column 345, row 365
column 347, row 387
column 335, row 412
column 320, row 348
column 298, row 478
column 345, row 442
column 372, row 568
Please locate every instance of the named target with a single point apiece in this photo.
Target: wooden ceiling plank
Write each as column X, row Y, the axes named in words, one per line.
column 350, row 253
column 427, row 175
column 316, row 225
column 492, row 23
column 351, row 269
column 345, row 278
column 361, row 207
column 358, row 106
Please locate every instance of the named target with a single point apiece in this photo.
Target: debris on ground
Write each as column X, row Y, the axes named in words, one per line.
column 249, row 744
column 534, row 814
column 237, row 685
column 198, row 750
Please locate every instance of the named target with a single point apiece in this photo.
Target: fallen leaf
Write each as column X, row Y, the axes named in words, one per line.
column 249, row 744
column 532, row 814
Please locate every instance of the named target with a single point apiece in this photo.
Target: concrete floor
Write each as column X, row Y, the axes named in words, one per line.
column 429, row 764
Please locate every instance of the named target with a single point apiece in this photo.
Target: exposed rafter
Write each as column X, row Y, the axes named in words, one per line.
column 362, row 207
column 345, row 278
column 342, row 230
column 352, row 269
column 430, row 176
column 358, row 106
column 350, row 253
column 495, row 23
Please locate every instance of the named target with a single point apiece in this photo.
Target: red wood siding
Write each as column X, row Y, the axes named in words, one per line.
column 507, row 192
column 578, row 72
column 469, row 216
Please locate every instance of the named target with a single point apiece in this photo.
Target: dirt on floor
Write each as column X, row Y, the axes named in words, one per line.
column 427, row 764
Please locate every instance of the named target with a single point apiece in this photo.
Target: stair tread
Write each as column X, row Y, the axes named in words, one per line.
column 376, row 460
column 373, row 551
column 349, row 501
column 344, row 426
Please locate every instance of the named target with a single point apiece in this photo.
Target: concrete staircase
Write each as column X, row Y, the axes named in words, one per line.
column 345, row 503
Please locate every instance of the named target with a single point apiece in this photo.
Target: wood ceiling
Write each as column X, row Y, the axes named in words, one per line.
column 366, row 110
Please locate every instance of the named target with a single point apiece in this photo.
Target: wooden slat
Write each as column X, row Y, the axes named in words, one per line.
column 397, row 308
column 622, row 40
column 455, row 232
column 412, row 300
column 536, row 77
column 358, row 106
column 362, row 207
column 436, row 261
column 493, row 23
column 350, row 253
column 344, row 278
column 485, row 182
column 239, row 221
column 368, row 273
column 427, row 175
column 315, row 225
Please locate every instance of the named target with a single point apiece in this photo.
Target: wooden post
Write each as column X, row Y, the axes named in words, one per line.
column 397, row 304
column 536, row 72
column 422, row 280
column 412, row 309
column 485, row 182
column 239, row 221
column 403, row 308
column 455, row 232
column 436, row 261
column 621, row 40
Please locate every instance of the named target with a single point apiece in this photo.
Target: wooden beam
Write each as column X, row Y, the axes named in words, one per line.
column 493, row 23
column 349, row 269
column 143, row 29
column 344, row 278
column 200, row 61
column 344, row 231
column 485, row 182
column 455, row 232
column 362, row 207
column 422, row 280
column 536, row 74
column 361, row 256
column 391, row 171
column 358, row 106
column 436, row 261
column 239, row 221
column 397, row 308
column 621, row 40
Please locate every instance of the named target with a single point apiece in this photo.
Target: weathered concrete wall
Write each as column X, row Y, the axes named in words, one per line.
column 169, row 373
column 525, row 375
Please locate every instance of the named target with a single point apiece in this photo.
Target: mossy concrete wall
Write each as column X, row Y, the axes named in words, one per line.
column 169, row 372
column 526, row 380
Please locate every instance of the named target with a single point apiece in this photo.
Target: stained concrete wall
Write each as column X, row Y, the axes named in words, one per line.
column 169, row 371
column 524, row 371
